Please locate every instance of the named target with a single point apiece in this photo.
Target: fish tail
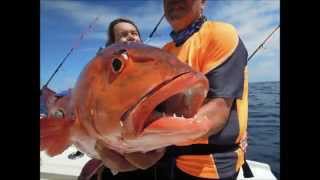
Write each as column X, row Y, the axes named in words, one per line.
column 55, row 135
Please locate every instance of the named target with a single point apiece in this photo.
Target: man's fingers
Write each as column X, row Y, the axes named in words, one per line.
column 145, row 160
column 112, row 159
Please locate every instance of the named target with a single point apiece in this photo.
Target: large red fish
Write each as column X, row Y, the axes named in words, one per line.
column 129, row 102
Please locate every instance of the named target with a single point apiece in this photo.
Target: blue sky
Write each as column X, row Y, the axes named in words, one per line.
column 62, row 22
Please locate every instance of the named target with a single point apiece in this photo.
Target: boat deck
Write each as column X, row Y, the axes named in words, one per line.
column 62, row 168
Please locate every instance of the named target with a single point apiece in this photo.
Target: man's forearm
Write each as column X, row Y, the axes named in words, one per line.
column 217, row 111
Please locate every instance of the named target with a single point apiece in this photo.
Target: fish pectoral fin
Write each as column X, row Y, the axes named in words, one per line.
column 55, row 135
column 169, row 131
column 112, row 159
column 145, row 160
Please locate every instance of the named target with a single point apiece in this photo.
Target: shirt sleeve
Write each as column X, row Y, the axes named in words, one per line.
column 227, row 79
column 63, row 93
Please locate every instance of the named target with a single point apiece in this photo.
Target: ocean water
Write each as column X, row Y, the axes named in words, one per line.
column 264, row 124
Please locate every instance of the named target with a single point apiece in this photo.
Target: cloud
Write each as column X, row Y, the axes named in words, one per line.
column 266, row 69
column 65, row 83
column 101, row 35
column 157, row 42
column 254, row 20
column 83, row 13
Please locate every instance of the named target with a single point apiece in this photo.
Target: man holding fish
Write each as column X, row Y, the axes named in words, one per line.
column 202, row 121
column 215, row 49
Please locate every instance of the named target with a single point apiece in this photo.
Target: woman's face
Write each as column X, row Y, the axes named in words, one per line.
column 125, row 32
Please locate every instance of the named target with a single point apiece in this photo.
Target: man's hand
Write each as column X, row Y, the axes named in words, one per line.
column 244, row 142
column 145, row 160
column 217, row 110
column 117, row 162
column 112, row 159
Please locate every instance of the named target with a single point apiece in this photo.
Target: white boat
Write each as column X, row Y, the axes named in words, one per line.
column 261, row 171
column 62, row 168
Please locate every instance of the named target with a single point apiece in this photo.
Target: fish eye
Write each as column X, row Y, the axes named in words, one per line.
column 117, row 65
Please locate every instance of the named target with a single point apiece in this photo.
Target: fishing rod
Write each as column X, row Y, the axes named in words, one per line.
column 154, row 29
column 76, row 45
column 262, row 44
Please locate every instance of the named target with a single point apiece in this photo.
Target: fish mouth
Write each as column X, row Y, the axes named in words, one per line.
column 179, row 97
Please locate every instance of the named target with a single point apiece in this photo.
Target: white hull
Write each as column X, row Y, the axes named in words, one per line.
column 62, row 168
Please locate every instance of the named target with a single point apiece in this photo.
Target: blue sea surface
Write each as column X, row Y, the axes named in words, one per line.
column 264, row 124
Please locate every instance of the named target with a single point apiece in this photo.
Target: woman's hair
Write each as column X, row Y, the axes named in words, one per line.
column 111, row 35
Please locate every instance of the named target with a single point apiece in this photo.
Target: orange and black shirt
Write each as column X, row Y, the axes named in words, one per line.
column 217, row 51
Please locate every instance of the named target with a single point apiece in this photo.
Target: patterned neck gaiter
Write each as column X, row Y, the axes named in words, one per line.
column 180, row 37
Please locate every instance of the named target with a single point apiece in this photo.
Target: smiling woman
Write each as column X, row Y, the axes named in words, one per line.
column 122, row 30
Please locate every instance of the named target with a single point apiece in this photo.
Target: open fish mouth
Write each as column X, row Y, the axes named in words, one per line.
column 179, row 97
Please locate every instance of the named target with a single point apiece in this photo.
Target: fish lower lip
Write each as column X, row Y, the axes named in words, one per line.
column 126, row 114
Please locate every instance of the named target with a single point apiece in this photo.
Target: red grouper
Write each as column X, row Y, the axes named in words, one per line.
column 129, row 103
